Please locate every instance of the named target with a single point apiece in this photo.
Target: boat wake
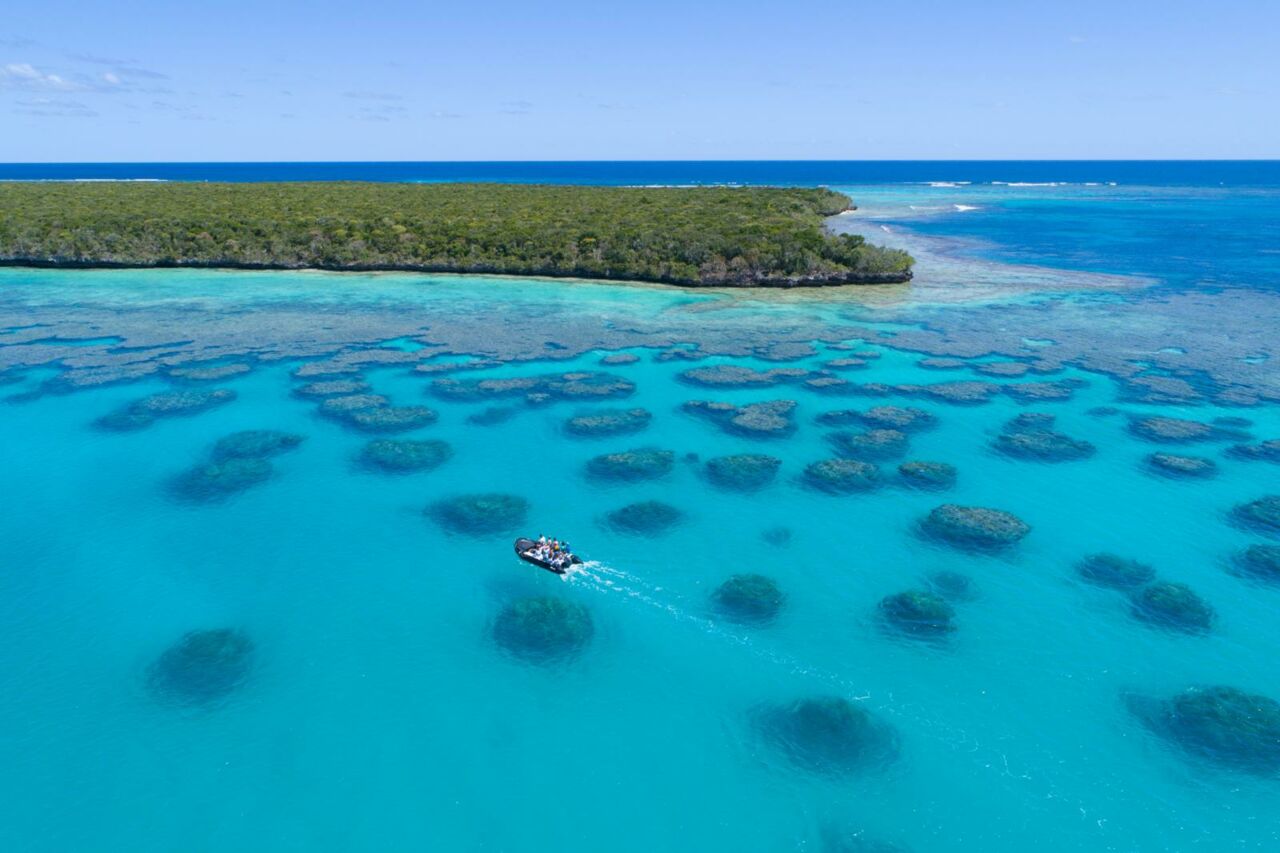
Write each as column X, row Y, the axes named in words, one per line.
column 609, row 580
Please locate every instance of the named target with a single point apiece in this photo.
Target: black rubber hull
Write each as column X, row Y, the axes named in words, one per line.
column 524, row 545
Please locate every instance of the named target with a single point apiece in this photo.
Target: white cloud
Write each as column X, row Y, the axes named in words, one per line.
column 26, row 77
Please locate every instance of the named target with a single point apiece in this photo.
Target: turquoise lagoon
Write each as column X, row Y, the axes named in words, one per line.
column 379, row 713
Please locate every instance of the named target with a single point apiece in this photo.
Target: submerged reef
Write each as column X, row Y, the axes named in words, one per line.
column 834, row 386
column 903, row 418
column 374, row 413
column 645, row 518
column 771, row 419
column 344, row 405
column 210, row 373
column 1172, row 605
column 778, row 537
column 1030, row 422
column 738, row 376
column 237, row 462
column 942, row 363
column 332, row 388
column 482, row 514
column 828, row 735
column 1236, row 370
column 391, row 418
column 1041, row 445
column 917, row 613
column 642, row 463
column 776, row 350
column 921, row 474
column 202, row 667
column 743, row 472
column 1004, row 369
column 870, row 446
column 680, row 352
column 214, row 481
column 1223, row 725
column 962, row 393
column 1177, row 466
column 142, row 413
column 1262, row 515
column 1166, row 430
column 543, row 630
column 974, row 527
column 403, row 456
column 492, row 416
column 578, row 385
column 842, row 476
column 1042, row 392
column 606, row 422
column 1261, row 562
column 1115, row 572
column 619, row 358
column 749, row 599
column 1265, row 451
column 254, row 444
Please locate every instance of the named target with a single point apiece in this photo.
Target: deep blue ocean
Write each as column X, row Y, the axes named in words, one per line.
column 385, row 674
column 1189, row 173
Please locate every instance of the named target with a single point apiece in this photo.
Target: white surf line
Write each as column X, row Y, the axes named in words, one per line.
column 607, row 579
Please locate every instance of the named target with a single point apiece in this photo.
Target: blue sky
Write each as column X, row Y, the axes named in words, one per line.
column 841, row 79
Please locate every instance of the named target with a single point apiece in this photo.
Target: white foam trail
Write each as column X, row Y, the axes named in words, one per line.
column 607, row 579
column 964, row 208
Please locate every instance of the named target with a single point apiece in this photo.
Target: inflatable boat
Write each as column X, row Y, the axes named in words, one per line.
column 526, row 550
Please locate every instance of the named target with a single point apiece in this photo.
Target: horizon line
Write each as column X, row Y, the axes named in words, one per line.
column 665, row 160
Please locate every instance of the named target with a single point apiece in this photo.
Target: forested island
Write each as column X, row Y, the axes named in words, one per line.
column 694, row 236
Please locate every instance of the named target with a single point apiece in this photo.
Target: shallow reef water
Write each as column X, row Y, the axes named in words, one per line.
column 778, row 640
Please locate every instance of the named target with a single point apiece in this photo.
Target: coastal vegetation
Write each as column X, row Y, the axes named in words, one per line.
column 723, row 236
